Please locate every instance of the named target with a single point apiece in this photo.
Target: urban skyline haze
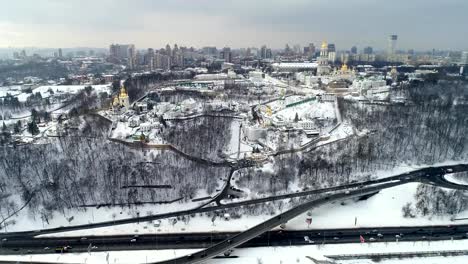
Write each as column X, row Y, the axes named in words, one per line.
column 420, row 24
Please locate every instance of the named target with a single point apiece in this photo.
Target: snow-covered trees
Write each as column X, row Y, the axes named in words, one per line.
column 203, row 137
column 79, row 170
column 431, row 200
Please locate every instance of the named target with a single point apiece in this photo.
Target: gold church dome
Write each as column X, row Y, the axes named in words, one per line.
column 324, row 45
column 123, row 92
column 344, row 67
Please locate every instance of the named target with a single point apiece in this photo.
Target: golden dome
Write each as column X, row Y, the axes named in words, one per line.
column 123, row 92
column 324, row 45
column 344, row 67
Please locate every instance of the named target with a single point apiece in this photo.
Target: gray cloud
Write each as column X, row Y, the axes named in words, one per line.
column 421, row 24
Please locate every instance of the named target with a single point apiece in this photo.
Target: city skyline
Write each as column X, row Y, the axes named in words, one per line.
column 420, row 25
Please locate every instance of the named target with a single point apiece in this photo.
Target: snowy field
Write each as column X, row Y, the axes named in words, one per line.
column 369, row 213
column 309, row 110
column 27, row 221
column 456, row 179
column 58, row 89
column 267, row 255
column 12, row 90
column 233, row 146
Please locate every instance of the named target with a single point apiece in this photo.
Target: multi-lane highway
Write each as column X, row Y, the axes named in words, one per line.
column 431, row 175
column 255, row 231
column 206, row 240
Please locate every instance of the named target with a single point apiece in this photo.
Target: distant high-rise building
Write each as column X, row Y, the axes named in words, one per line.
column 354, row 50
column 119, row 51
column 226, row 54
column 113, row 50
column 263, row 51
column 287, row 49
column 60, row 53
column 331, row 53
column 269, row 54
column 162, row 61
column 168, row 50
column 309, row 51
column 297, row 49
column 175, row 50
column 367, row 54
column 132, row 56
column 368, row 50
column 149, row 58
column 464, row 58
column 392, row 43
column 139, row 58
column 312, row 48
column 248, row 52
column 23, row 54
column 210, row 51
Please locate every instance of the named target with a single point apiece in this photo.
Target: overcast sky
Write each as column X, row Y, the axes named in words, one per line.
column 420, row 24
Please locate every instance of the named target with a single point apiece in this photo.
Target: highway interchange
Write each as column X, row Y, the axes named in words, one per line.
column 217, row 244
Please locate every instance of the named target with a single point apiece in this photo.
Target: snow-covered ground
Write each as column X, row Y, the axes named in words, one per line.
column 383, row 209
column 233, row 146
column 267, row 255
column 26, row 221
column 456, row 179
column 369, row 213
column 11, row 90
column 58, row 89
column 308, row 110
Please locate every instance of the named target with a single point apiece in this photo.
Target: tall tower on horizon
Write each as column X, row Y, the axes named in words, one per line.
column 392, row 43
column 323, row 67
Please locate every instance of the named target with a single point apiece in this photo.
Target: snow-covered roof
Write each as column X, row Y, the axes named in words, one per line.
column 295, row 65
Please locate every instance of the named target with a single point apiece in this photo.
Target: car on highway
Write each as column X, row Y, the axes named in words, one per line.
column 62, row 249
column 371, row 239
column 133, row 240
